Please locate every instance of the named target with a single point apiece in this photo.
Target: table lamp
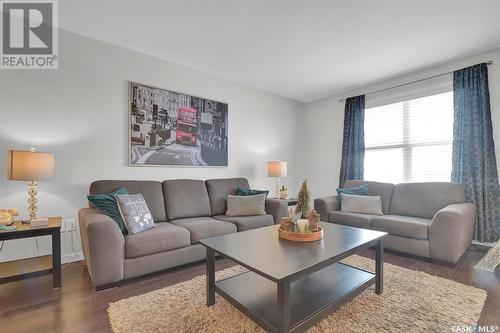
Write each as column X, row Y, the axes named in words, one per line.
column 276, row 169
column 30, row 166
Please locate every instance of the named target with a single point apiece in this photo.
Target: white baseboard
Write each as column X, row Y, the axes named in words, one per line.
column 67, row 258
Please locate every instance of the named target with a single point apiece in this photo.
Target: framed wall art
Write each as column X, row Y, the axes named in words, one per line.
column 176, row 129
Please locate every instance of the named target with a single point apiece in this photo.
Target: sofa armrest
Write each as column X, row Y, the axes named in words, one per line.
column 103, row 246
column 325, row 205
column 451, row 230
column 277, row 208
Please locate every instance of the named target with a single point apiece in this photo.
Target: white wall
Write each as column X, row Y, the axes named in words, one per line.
column 79, row 112
column 323, row 122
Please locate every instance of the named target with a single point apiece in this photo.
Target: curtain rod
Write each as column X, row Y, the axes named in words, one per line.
column 407, row 83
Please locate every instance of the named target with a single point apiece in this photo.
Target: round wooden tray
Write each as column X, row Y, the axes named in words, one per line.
column 301, row 236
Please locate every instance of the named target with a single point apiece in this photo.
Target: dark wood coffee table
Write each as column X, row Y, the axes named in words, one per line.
column 291, row 286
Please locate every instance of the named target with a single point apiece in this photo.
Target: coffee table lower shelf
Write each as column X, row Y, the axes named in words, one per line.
column 311, row 298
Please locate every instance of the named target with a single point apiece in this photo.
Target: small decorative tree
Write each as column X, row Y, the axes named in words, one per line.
column 302, row 209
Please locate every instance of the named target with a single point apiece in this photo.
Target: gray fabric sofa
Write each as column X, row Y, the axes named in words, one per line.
column 185, row 210
column 430, row 220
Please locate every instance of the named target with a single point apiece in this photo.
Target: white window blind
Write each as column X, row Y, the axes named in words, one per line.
column 410, row 141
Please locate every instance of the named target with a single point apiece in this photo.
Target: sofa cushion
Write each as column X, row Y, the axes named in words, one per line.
column 247, row 191
column 248, row 222
column 205, row 227
column 364, row 204
column 186, row 198
column 150, row 190
column 351, row 219
column 248, row 205
column 358, row 190
column 164, row 237
column 377, row 189
column 219, row 189
column 425, row 199
column 416, row 247
column 406, row 226
column 106, row 204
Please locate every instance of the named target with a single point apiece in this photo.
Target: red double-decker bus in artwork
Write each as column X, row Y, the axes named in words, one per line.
column 187, row 125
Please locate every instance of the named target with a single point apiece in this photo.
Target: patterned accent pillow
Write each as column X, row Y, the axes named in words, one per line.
column 363, row 204
column 135, row 212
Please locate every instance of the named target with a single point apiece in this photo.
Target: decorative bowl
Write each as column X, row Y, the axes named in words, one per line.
column 301, row 236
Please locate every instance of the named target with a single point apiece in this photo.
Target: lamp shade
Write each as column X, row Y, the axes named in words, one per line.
column 276, row 168
column 30, row 165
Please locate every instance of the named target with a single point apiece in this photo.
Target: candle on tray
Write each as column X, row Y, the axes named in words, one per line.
column 302, row 225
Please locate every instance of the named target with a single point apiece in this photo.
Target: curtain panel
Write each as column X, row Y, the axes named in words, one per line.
column 473, row 162
column 353, row 144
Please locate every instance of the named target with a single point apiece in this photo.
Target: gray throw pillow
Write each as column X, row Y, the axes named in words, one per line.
column 135, row 212
column 363, row 204
column 238, row 205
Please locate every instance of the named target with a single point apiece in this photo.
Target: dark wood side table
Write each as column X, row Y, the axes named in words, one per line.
column 25, row 231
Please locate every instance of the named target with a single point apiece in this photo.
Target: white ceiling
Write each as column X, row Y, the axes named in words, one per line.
column 303, row 50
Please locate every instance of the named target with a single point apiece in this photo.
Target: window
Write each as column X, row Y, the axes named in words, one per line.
column 410, row 141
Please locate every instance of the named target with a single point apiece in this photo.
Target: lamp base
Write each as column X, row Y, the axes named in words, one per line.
column 32, row 192
column 277, row 188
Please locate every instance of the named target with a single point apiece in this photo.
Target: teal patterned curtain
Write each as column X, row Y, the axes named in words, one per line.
column 353, row 146
column 474, row 162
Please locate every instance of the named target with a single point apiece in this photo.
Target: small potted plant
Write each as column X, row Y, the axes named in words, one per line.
column 283, row 192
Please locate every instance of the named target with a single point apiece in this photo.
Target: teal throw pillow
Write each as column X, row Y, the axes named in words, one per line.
column 358, row 190
column 106, row 204
column 246, row 191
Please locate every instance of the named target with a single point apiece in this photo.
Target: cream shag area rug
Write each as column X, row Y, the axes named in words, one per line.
column 412, row 301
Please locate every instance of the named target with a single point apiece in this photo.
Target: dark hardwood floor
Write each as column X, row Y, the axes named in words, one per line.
column 33, row 306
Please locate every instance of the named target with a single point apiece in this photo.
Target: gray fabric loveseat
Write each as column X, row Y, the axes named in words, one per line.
column 424, row 219
column 185, row 210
